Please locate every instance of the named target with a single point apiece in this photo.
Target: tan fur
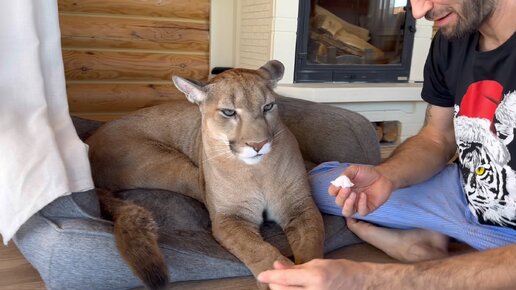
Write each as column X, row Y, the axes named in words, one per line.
column 195, row 151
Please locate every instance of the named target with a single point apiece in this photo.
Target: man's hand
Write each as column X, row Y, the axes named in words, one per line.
column 317, row 274
column 371, row 189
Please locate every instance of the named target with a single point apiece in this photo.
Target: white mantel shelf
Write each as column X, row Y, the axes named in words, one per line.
column 352, row 92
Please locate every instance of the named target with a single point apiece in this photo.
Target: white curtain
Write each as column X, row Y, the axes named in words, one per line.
column 41, row 157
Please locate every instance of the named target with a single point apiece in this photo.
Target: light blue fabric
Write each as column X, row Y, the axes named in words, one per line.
column 438, row 204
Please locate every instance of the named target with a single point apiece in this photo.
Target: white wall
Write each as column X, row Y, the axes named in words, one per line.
column 222, row 33
column 254, row 31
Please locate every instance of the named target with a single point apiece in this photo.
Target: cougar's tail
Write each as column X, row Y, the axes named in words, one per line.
column 136, row 237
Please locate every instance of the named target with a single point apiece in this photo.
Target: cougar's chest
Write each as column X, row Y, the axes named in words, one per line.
column 248, row 188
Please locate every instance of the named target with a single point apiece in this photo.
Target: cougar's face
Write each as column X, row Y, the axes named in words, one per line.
column 240, row 117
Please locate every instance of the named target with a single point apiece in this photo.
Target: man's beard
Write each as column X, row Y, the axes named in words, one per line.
column 472, row 15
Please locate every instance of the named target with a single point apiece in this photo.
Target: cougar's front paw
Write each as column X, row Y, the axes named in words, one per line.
column 284, row 261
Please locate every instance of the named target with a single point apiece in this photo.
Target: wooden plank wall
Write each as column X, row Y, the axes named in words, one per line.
column 119, row 55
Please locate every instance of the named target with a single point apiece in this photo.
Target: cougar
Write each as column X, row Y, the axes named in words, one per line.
column 231, row 152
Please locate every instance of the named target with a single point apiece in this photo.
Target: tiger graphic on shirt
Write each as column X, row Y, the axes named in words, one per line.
column 485, row 122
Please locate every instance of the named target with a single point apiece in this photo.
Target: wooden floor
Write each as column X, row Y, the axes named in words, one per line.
column 17, row 274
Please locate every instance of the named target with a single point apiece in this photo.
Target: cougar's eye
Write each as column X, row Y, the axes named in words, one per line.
column 268, row 107
column 228, row 112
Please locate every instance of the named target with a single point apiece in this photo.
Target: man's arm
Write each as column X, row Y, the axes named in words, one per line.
column 425, row 154
column 492, row 269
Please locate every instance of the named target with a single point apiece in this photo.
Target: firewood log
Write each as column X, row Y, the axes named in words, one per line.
column 361, row 32
column 342, row 38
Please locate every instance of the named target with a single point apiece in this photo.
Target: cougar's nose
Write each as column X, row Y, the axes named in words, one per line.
column 257, row 146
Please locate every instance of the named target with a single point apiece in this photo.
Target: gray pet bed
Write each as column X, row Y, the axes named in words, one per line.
column 72, row 247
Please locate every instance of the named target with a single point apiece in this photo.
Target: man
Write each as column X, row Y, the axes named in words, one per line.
column 470, row 85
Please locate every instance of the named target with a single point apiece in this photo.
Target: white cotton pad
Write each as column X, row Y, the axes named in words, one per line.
column 342, row 181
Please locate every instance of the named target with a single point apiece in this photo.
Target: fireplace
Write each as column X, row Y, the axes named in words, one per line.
column 354, row 41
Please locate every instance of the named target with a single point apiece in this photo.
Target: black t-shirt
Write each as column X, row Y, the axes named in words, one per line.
column 481, row 86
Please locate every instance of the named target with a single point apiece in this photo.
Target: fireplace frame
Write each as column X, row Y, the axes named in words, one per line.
column 305, row 72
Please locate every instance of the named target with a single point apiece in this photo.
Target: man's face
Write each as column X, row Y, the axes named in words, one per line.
column 456, row 18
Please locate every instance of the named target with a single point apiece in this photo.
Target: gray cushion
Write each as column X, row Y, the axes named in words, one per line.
column 328, row 133
column 73, row 248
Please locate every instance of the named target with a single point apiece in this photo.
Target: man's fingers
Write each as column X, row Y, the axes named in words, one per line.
column 287, row 277
column 351, row 221
column 342, row 195
column 283, row 287
column 348, row 209
column 362, row 205
column 333, row 190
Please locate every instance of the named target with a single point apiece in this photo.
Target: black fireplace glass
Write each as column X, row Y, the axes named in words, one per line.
column 354, row 41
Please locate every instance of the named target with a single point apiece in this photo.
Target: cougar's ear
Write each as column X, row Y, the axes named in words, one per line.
column 274, row 70
column 193, row 90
